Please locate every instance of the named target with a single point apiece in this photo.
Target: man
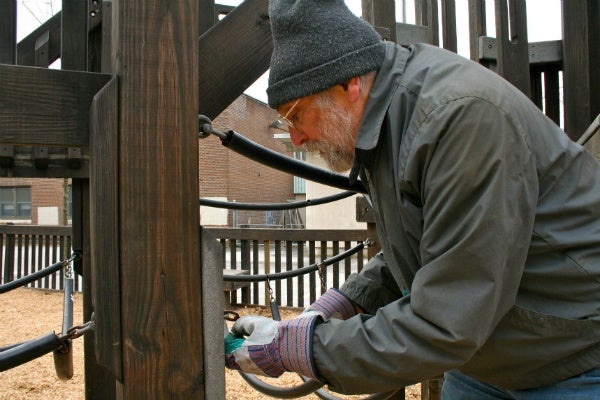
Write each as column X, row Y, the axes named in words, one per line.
column 487, row 214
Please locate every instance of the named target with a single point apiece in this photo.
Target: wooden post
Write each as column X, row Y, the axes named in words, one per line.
column 155, row 49
column 381, row 13
column 8, row 32
column 581, row 50
column 513, row 51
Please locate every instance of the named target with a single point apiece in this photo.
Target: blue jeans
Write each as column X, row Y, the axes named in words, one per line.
column 458, row 386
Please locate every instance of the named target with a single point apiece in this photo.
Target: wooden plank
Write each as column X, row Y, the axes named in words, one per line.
column 381, row 13
column 206, row 15
column 408, row 34
column 300, row 265
column 26, row 49
column 513, row 51
column 591, row 138
column 539, row 53
column 40, row 106
column 449, row 25
column 245, row 263
column 277, row 269
column 35, row 230
column 255, row 270
column 581, row 78
column 426, row 14
column 155, row 44
column 104, row 227
column 552, row 94
column 74, row 54
column 288, row 234
column 8, row 32
column 477, row 26
column 233, row 54
column 289, row 259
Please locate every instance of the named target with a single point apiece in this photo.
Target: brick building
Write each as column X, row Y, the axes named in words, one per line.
column 224, row 175
column 227, row 175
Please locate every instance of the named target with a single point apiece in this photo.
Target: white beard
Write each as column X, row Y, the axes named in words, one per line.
column 336, row 145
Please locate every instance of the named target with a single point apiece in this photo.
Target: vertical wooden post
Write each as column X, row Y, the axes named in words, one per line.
column 513, row 50
column 449, row 25
column 8, row 55
column 381, row 13
column 99, row 383
column 9, row 257
column 155, row 48
column 581, row 51
column 477, row 27
column 8, row 32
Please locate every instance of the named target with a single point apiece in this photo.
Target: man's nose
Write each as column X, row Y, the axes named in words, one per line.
column 297, row 136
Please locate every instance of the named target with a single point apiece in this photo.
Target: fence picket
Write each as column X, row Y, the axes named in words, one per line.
column 28, row 249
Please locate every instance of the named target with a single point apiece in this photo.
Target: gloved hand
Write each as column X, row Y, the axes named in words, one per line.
column 272, row 347
column 333, row 304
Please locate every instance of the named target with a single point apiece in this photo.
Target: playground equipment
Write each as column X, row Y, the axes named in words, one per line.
column 121, row 120
column 19, row 353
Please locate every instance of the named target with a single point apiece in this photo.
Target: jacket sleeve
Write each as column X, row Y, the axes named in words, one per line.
column 373, row 287
column 476, row 178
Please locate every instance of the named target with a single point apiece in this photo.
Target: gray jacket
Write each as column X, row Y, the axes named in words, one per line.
column 489, row 219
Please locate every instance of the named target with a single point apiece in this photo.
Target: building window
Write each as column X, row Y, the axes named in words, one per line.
column 15, row 202
column 299, row 183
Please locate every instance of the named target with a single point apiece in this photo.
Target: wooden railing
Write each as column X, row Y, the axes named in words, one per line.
column 29, row 248
column 260, row 251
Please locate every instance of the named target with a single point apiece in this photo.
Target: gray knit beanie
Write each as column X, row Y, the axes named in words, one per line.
column 318, row 44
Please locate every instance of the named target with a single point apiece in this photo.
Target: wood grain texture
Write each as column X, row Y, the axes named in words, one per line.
column 156, row 59
column 50, row 107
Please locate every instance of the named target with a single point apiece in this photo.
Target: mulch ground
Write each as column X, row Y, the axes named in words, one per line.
column 29, row 313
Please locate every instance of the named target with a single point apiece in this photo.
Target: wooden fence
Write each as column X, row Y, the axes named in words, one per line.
column 27, row 249
column 260, row 251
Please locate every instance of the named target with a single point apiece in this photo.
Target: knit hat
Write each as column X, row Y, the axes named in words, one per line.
column 318, row 44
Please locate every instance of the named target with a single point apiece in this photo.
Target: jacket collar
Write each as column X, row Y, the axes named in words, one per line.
column 380, row 96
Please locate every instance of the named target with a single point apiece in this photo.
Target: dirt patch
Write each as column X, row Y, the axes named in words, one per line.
column 29, row 313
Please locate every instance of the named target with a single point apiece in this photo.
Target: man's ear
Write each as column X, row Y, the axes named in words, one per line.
column 353, row 89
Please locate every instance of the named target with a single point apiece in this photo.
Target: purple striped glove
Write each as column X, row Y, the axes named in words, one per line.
column 272, row 347
column 333, row 304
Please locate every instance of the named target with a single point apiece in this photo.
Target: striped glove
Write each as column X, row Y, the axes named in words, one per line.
column 272, row 347
column 333, row 304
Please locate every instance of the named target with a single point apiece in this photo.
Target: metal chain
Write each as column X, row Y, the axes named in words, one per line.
column 320, row 268
column 79, row 330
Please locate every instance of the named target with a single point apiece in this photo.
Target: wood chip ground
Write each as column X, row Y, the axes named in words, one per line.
column 28, row 313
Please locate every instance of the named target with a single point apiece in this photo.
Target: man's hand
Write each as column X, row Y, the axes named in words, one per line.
column 270, row 347
column 333, row 304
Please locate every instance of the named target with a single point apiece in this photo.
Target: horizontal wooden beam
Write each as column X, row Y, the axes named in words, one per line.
column 407, row 34
column 233, row 54
column 46, row 107
column 287, row 234
column 549, row 52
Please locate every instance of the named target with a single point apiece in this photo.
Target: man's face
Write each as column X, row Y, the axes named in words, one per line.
column 322, row 124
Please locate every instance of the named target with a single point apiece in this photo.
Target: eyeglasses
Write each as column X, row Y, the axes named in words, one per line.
column 285, row 119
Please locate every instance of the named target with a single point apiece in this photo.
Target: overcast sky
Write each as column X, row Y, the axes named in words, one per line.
column 543, row 23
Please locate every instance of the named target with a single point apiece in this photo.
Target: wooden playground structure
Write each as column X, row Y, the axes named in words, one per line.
column 121, row 119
